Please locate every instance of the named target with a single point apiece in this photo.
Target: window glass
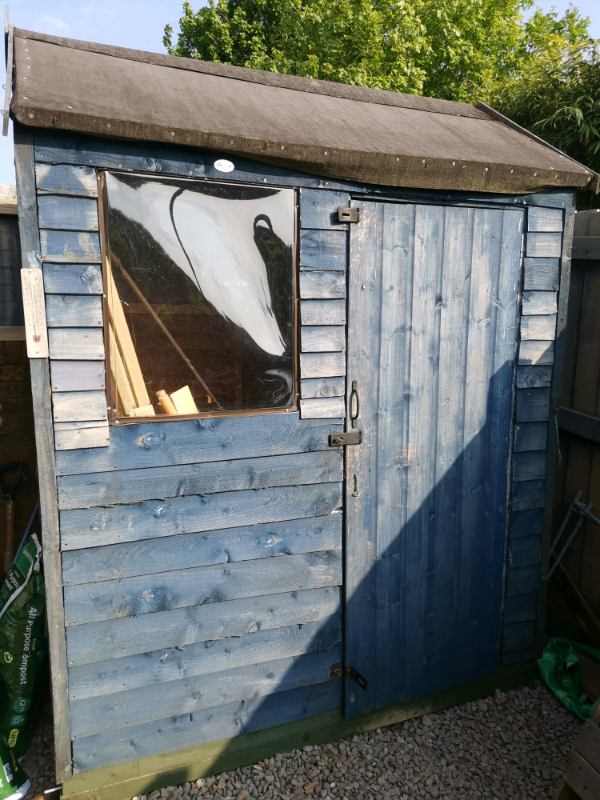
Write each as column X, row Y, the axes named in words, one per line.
column 200, row 295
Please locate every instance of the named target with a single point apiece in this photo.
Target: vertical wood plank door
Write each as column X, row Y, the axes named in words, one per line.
column 432, row 330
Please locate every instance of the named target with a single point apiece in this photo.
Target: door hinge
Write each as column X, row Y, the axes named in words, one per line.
column 348, row 214
column 344, row 439
column 337, row 671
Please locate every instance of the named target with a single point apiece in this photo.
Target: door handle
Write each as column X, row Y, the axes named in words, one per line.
column 354, row 404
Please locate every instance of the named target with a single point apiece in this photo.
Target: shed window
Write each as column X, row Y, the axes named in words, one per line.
column 200, row 296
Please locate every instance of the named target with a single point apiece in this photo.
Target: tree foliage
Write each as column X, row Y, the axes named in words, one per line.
column 560, row 101
column 455, row 49
column 544, row 72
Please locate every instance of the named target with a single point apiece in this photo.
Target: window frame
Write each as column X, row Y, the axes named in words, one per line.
column 113, row 419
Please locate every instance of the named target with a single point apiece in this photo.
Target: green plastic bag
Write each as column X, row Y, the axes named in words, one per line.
column 22, row 644
column 561, row 672
column 14, row 784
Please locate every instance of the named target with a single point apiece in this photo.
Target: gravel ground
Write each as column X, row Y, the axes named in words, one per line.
column 512, row 745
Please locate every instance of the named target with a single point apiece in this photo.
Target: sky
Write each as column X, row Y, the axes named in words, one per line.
column 139, row 24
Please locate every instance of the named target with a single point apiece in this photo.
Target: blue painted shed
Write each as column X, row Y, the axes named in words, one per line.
column 295, row 428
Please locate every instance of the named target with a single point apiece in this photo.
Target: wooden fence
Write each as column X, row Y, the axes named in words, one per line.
column 578, row 418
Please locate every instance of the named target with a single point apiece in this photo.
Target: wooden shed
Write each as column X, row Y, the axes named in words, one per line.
column 304, row 346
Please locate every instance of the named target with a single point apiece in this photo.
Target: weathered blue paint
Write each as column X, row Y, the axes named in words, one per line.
column 426, row 521
column 219, row 528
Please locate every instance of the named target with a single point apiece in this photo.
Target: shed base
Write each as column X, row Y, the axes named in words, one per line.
column 123, row 781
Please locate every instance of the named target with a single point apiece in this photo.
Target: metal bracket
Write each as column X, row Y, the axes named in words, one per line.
column 344, row 439
column 337, row 671
column 348, row 214
column 357, row 678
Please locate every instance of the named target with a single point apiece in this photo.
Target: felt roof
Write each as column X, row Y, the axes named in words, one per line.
column 327, row 129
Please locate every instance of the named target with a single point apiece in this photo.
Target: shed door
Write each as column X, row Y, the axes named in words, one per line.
column 432, row 339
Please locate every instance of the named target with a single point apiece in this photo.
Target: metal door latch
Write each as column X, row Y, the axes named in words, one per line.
column 348, row 214
column 344, row 439
column 337, row 671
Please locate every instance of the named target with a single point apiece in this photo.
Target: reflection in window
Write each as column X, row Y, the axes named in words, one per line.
column 200, row 294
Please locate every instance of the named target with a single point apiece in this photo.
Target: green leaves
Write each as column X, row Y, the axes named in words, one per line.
column 543, row 72
column 457, row 49
column 559, row 99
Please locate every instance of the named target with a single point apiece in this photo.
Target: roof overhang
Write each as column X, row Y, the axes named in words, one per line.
column 327, row 129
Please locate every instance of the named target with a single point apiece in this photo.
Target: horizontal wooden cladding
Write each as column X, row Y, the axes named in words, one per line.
column 318, row 209
column 78, row 406
column 323, row 408
column 202, row 658
column 543, row 244
column 323, row 250
column 322, row 387
column 518, row 636
column 539, row 303
column 323, row 312
column 533, row 405
column 319, row 339
column 164, row 159
column 218, row 439
column 73, row 376
column 80, row 435
column 76, row 344
column 68, row 213
column 533, row 376
column 525, row 551
column 545, row 219
column 224, row 722
column 526, row 523
column 530, row 436
column 160, row 483
column 130, row 709
column 189, row 695
column 73, row 311
column 194, row 162
column 66, row 179
column 536, row 353
column 70, row 246
column 247, row 543
column 520, row 608
column 528, row 495
column 539, row 328
column 522, row 580
column 322, row 365
column 322, row 285
column 92, row 527
column 323, row 261
column 529, row 466
column 182, row 627
column 147, row 594
column 541, row 274
column 72, row 279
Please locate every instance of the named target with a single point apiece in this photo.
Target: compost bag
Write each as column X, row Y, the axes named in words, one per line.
column 561, row 671
column 14, row 784
column 22, row 644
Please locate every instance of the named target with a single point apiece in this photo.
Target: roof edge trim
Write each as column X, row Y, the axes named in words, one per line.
column 594, row 182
